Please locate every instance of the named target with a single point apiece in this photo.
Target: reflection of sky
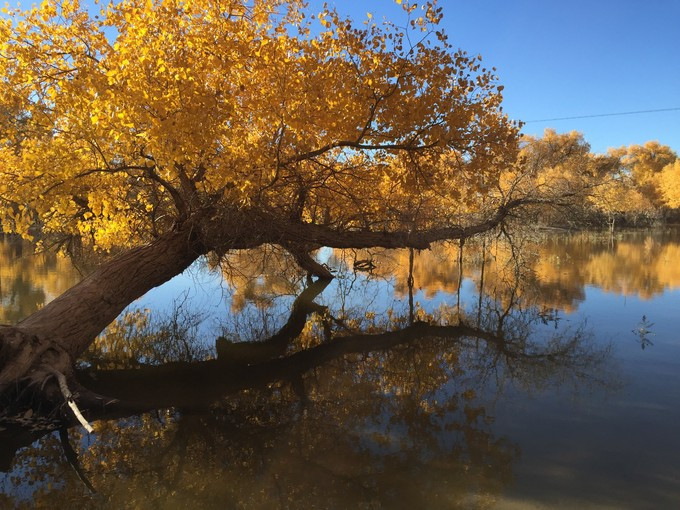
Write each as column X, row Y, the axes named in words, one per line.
column 209, row 293
column 615, row 448
column 197, row 289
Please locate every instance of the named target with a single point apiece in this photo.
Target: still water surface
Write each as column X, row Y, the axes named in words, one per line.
column 548, row 376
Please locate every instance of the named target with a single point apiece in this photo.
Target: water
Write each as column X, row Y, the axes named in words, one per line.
column 547, row 379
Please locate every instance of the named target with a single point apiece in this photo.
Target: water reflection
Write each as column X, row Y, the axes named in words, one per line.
column 343, row 395
column 555, row 269
column 340, row 408
column 28, row 280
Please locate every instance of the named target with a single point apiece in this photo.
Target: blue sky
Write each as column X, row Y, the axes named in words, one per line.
column 572, row 58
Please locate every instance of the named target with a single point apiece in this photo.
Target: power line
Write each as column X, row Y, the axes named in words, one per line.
column 604, row 115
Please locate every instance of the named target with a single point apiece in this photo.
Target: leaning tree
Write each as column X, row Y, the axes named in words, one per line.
column 163, row 130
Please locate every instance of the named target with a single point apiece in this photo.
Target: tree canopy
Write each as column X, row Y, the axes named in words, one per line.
column 118, row 126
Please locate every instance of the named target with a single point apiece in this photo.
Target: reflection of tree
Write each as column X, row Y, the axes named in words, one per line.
column 555, row 269
column 345, row 412
column 259, row 275
column 28, row 280
column 260, row 451
column 640, row 264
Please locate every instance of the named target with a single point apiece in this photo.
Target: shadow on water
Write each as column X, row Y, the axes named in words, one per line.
column 339, row 407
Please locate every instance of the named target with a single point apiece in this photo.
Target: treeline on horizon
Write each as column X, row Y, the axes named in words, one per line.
column 631, row 186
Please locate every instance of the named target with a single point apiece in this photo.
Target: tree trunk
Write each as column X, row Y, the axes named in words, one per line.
column 52, row 338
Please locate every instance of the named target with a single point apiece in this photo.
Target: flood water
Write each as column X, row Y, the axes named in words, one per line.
column 543, row 373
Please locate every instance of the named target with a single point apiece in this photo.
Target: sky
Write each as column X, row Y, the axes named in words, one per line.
column 572, row 58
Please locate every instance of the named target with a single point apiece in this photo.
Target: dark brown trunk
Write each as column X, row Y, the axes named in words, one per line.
column 76, row 317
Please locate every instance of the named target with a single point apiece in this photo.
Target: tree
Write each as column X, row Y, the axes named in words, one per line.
column 630, row 183
column 669, row 184
column 162, row 130
column 643, row 165
column 560, row 168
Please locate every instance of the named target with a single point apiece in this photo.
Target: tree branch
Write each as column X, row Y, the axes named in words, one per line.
column 306, row 233
column 411, row 146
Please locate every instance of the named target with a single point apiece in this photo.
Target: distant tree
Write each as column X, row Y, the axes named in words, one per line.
column 669, row 184
column 643, row 164
column 561, row 168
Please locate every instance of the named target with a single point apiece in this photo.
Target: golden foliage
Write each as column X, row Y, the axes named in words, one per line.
column 643, row 165
column 669, row 184
column 548, row 273
column 115, row 126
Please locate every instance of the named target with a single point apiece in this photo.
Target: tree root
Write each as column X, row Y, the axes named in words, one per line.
column 34, row 371
column 68, row 398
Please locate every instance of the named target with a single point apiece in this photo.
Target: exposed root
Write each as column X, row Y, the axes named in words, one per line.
column 27, row 364
column 68, row 397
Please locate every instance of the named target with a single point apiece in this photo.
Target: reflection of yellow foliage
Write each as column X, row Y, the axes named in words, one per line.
column 123, row 342
column 28, row 280
column 666, row 267
column 553, row 271
column 256, row 449
column 632, row 269
column 259, row 276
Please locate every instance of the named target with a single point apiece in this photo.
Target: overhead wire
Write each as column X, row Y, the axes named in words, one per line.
column 603, row 115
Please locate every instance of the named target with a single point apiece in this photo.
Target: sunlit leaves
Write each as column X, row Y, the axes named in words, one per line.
column 669, row 184
column 116, row 126
column 643, row 165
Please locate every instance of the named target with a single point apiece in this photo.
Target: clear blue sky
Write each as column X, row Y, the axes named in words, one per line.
column 570, row 58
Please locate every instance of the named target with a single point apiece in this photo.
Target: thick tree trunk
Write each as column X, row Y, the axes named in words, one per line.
column 76, row 317
column 52, row 338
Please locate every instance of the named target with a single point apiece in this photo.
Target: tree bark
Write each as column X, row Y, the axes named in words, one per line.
column 76, row 317
column 280, row 230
